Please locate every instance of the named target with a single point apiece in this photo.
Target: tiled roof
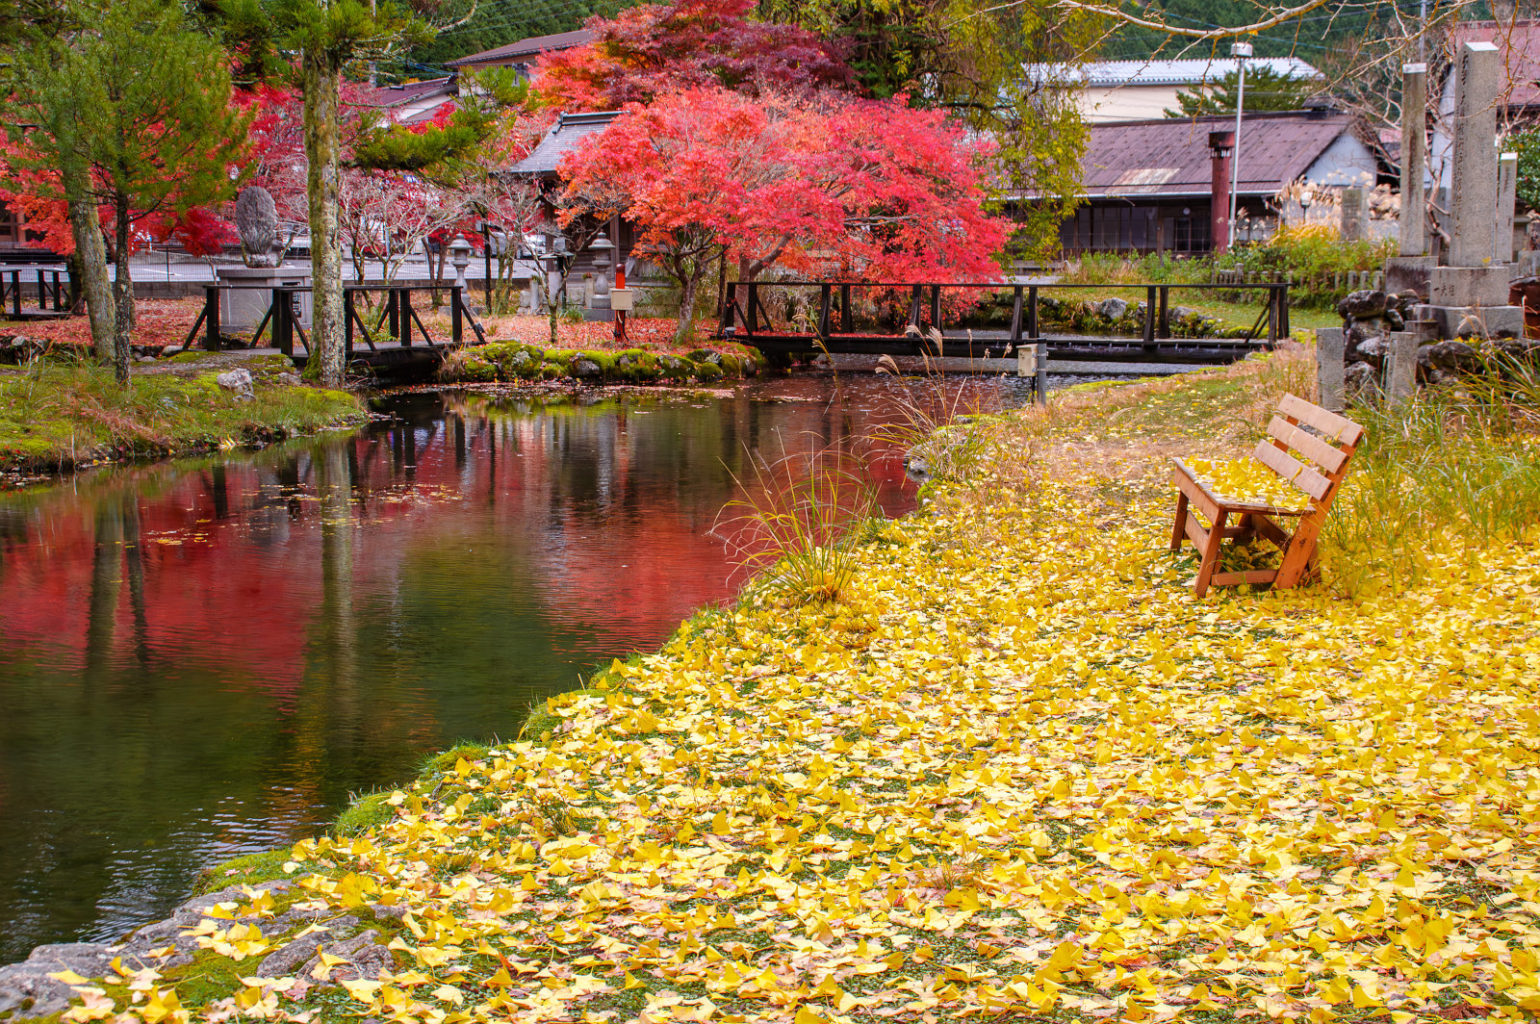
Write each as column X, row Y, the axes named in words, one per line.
column 1113, row 73
column 1519, row 44
column 410, row 92
column 524, row 49
column 561, row 140
column 1171, row 157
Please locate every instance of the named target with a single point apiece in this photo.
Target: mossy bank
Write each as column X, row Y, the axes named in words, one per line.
column 512, row 361
column 55, row 416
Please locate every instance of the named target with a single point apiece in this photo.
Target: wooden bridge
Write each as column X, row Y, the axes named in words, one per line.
column 379, row 334
column 832, row 327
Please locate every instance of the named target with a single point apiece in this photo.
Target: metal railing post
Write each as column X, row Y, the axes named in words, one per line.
column 1032, row 327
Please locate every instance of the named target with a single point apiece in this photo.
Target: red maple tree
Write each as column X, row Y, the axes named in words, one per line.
column 652, row 49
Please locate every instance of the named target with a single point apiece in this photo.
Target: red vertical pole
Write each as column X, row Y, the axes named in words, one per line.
column 1221, row 147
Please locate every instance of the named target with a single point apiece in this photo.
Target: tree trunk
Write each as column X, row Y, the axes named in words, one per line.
column 122, row 291
column 689, row 281
column 320, row 82
column 86, row 227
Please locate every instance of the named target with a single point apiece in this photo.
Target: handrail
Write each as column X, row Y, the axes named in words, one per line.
column 282, row 324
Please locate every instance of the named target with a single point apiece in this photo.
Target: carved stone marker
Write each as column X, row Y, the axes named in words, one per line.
column 256, row 218
column 1414, row 155
column 1352, row 214
column 1329, row 365
column 1507, row 200
column 1401, row 375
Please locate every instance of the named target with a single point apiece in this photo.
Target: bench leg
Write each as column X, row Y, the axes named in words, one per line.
column 1210, row 562
column 1300, row 552
column 1179, row 531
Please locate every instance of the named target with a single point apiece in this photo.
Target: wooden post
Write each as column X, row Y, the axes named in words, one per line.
column 211, row 318
column 1163, row 323
column 1150, row 302
column 1032, row 328
column 914, row 308
column 729, row 307
column 392, row 313
column 283, row 325
column 1283, row 311
column 1016, row 320
column 1040, row 384
column 825, row 294
column 753, row 311
column 1272, row 317
column 16, row 293
column 404, row 315
column 847, row 324
column 935, row 306
column 42, row 292
column 456, row 306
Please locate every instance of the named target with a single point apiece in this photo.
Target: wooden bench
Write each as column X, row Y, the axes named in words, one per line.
column 1321, row 444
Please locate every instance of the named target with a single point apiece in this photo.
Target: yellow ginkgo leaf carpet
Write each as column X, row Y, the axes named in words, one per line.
column 1019, row 773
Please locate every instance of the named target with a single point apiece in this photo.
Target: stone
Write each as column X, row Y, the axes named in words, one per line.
column 1352, row 212
column 1413, row 241
column 1468, row 286
column 1507, row 198
column 1409, row 274
column 365, row 958
column 239, row 381
column 1449, row 355
column 1373, row 350
column 291, row 379
column 1474, row 182
column 586, row 369
column 1473, row 322
column 1329, row 367
column 1401, row 375
column 256, row 220
column 1362, row 305
column 1112, row 309
column 288, row 958
column 1359, row 380
column 26, row 987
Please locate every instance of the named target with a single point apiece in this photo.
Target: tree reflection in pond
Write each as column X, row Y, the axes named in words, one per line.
column 204, row 658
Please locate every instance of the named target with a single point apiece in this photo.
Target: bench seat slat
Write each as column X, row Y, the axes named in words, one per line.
column 1307, row 444
column 1292, row 470
column 1338, row 428
column 1210, row 503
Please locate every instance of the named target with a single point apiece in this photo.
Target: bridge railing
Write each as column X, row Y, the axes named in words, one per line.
column 396, row 321
column 52, row 288
column 745, row 306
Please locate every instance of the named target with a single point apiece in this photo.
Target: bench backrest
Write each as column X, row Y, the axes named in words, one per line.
column 1314, row 459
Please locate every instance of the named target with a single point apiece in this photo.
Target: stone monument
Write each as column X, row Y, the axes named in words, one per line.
column 244, row 304
column 1428, row 322
column 1410, row 269
column 256, row 219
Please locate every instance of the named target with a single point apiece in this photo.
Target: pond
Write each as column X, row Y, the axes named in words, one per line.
column 205, row 658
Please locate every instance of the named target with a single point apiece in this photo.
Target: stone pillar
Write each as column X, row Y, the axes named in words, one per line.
column 1352, row 211
column 1330, row 364
column 1477, row 75
column 1221, row 146
column 1414, row 155
column 1507, row 200
column 1401, row 378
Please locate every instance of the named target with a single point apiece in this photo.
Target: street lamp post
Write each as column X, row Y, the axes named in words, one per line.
column 1240, row 51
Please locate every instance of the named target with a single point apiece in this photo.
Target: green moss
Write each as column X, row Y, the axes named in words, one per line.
column 438, row 764
column 60, row 416
column 540, row 725
column 252, row 869
column 370, row 811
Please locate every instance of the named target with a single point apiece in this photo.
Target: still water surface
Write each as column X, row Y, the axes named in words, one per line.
column 200, row 659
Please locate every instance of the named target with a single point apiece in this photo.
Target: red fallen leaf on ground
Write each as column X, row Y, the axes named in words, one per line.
column 1462, row 1011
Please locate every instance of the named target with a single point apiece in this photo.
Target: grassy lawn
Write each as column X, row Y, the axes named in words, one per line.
column 61, row 414
column 1015, row 771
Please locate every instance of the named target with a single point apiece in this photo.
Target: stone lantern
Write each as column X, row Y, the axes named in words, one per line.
column 460, row 258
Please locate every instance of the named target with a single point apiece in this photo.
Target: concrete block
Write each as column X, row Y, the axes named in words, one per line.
column 1409, row 274
column 1474, row 321
column 1329, row 360
column 1469, row 286
column 1401, row 378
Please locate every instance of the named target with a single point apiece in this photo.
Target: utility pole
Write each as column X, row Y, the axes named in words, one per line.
column 1240, row 51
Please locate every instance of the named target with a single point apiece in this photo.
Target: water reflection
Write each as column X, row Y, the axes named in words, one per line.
column 204, row 658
